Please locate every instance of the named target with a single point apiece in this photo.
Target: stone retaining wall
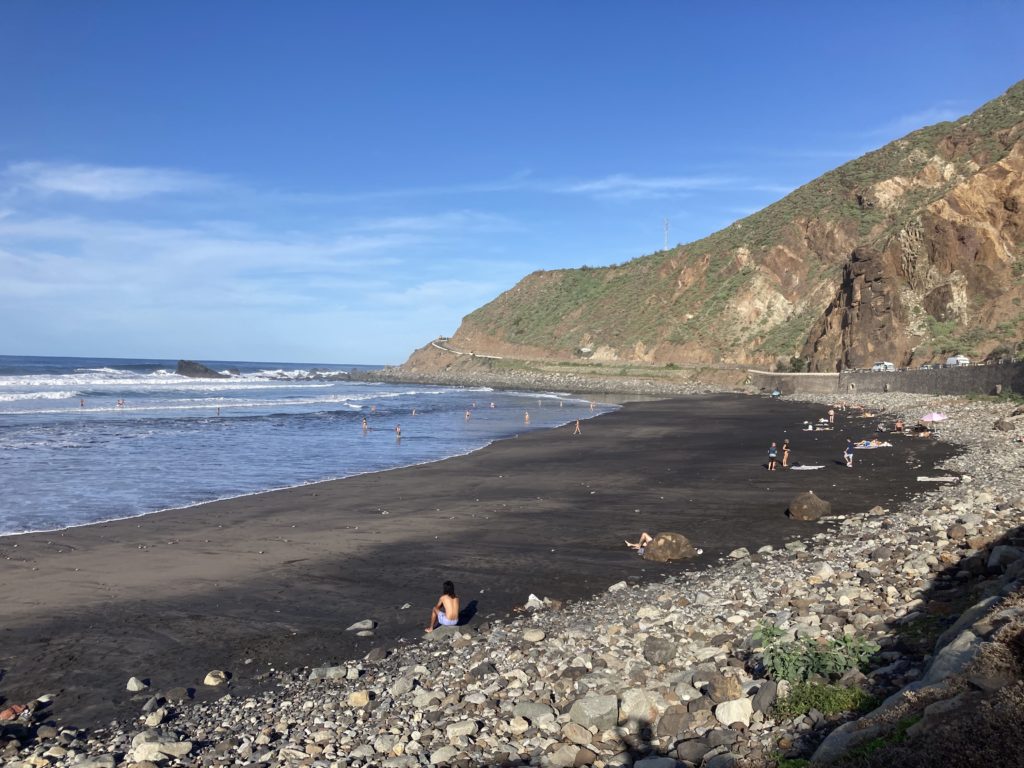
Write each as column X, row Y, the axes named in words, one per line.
column 969, row 380
column 796, row 383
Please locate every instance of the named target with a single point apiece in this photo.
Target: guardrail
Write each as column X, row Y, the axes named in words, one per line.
column 443, row 348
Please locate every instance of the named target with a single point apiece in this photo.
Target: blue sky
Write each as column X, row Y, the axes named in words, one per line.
column 342, row 182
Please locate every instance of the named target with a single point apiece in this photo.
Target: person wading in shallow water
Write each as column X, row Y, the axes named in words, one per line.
column 446, row 612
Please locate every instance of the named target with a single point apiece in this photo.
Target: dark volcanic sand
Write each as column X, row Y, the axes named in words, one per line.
column 277, row 577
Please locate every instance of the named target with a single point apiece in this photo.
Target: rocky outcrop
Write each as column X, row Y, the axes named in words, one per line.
column 906, row 254
column 196, row 370
column 667, row 547
column 954, row 265
column 808, row 506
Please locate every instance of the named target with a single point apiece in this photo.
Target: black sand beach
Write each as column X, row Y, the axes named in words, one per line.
column 273, row 580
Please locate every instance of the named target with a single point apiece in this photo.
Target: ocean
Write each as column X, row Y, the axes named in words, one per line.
column 84, row 440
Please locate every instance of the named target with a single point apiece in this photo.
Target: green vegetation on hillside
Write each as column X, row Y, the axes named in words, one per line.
column 689, row 296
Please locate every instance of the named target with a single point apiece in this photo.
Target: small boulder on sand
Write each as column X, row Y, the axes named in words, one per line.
column 215, row 677
column 135, row 685
column 808, row 507
column 669, row 546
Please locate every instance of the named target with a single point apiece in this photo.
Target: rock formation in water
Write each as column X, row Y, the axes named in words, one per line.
column 195, row 370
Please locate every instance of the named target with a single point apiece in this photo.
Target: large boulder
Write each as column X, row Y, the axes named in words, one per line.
column 639, row 705
column 723, row 688
column 669, row 546
column 659, row 650
column 735, row 711
column 809, row 507
column 195, row 370
column 597, row 710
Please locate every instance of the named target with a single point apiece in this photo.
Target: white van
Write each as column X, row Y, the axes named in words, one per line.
column 957, row 360
column 883, row 366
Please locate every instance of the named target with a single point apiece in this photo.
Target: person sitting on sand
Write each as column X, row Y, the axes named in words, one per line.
column 898, row 427
column 641, row 545
column 446, row 612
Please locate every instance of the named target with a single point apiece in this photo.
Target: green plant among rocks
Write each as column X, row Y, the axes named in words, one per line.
column 791, row 762
column 865, row 754
column 828, row 699
column 798, row 660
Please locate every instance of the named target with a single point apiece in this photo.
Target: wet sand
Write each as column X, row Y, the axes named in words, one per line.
column 272, row 580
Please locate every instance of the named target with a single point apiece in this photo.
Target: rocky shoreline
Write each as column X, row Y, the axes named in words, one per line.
column 662, row 674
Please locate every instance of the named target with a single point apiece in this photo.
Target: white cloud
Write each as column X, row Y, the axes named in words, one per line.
column 108, row 183
column 233, row 264
column 632, row 187
column 904, row 124
column 439, row 292
column 473, row 221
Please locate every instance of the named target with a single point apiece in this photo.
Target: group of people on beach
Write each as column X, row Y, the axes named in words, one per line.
column 773, row 455
column 825, row 423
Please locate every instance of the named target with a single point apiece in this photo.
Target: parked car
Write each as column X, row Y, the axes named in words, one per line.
column 958, row 360
column 883, row 366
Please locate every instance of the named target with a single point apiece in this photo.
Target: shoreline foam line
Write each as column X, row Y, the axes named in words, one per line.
column 306, row 484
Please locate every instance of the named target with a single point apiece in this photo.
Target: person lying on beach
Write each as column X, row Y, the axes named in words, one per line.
column 446, row 612
column 641, row 545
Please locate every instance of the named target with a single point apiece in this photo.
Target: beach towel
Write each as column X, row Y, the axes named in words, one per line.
column 942, row 479
column 810, row 466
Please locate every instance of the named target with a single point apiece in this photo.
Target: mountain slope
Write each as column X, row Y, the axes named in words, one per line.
column 908, row 253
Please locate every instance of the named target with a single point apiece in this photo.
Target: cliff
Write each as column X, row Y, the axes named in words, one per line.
column 909, row 253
